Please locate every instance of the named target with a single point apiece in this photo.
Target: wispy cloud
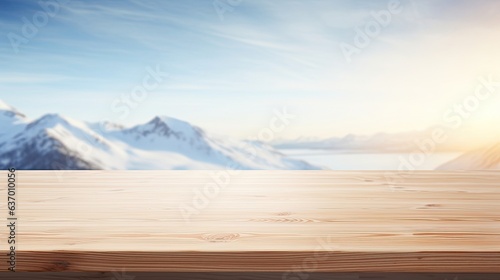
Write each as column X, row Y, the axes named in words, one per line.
column 264, row 53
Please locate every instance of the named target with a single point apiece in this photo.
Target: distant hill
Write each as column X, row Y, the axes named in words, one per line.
column 487, row 158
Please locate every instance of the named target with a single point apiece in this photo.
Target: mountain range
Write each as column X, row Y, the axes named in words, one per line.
column 55, row 142
column 379, row 142
column 482, row 157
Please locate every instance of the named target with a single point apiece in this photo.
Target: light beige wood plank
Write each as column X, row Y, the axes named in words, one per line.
column 258, row 221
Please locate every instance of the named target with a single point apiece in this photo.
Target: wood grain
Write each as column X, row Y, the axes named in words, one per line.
column 259, row 221
column 126, row 275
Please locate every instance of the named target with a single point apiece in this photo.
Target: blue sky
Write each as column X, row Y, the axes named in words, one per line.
column 229, row 73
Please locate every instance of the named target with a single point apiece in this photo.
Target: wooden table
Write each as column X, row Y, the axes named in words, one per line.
column 299, row 222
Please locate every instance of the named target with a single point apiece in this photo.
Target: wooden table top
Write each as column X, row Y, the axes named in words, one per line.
column 281, row 221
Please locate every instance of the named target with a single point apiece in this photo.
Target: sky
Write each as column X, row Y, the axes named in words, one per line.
column 338, row 67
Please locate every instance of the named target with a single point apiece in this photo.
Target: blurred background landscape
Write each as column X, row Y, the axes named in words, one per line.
column 299, row 85
column 55, row 142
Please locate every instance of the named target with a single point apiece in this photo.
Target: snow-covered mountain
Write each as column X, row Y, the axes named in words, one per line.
column 56, row 142
column 482, row 159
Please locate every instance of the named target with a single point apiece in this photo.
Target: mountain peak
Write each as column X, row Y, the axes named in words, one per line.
column 173, row 123
column 52, row 117
column 10, row 112
column 51, row 120
column 5, row 106
column 166, row 125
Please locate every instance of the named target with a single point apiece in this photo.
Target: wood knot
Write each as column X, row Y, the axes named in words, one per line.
column 432, row 205
column 220, row 237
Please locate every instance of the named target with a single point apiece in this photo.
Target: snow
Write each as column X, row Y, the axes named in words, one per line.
column 162, row 143
column 105, row 126
column 11, row 121
column 178, row 125
column 5, row 106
